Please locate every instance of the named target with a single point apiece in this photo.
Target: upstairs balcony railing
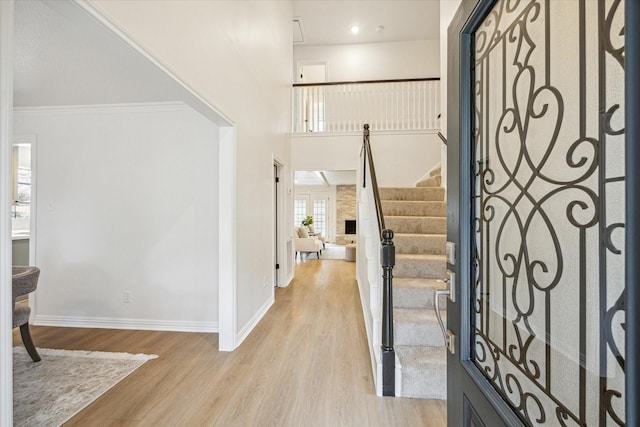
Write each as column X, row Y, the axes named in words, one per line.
column 386, row 105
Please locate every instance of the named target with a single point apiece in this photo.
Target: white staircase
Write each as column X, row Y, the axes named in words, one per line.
column 417, row 216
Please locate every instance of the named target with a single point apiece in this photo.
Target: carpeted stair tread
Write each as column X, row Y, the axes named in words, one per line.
column 413, row 208
column 434, row 244
column 417, row 215
column 412, row 193
column 418, row 327
column 432, row 181
column 415, row 292
column 420, row 265
column 416, row 225
column 436, row 171
column 424, row 371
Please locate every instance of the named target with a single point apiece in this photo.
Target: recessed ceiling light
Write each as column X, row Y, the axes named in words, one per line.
column 355, row 29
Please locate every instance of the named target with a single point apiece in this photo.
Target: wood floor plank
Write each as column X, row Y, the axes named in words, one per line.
column 305, row 364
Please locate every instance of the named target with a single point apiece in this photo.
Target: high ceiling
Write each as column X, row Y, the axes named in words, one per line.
column 64, row 57
column 325, row 178
column 329, row 22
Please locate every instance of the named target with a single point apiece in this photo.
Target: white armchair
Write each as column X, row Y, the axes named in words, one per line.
column 319, row 236
column 302, row 242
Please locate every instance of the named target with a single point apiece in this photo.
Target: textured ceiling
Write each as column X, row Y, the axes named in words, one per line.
column 329, row 22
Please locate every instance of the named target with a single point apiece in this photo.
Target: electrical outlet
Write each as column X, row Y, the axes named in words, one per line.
column 126, row 296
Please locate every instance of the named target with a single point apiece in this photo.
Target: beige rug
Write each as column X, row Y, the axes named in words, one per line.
column 333, row 251
column 50, row 392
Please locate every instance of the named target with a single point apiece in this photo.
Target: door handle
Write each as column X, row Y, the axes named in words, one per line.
column 446, row 333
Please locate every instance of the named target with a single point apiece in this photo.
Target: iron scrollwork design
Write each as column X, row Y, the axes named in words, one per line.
column 539, row 198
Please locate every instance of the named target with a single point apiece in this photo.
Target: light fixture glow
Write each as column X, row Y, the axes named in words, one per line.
column 355, row 29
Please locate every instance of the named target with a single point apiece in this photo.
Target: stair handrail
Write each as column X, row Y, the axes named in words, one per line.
column 360, row 82
column 443, row 138
column 368, row 158
column 387, row 261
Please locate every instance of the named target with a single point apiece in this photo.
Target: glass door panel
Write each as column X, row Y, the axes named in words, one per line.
column 320, row 216
column 300, row 205
column 548, row 209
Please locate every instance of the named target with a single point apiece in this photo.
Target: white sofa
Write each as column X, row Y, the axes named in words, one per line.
column 302, row 242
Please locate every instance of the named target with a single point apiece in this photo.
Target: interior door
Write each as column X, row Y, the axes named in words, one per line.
column 276, row 231
column 536, row 199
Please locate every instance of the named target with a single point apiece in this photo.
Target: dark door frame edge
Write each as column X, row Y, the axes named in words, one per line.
column 632, row 227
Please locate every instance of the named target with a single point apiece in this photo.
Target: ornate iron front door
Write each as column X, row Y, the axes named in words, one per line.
column 540, row 190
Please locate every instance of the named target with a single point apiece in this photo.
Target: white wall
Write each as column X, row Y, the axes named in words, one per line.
column 374, row 61
column 237, row 56
column 447, row 10
column 127, row 202
column 400, row 159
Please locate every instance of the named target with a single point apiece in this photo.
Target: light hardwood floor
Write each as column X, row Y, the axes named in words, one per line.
column 305, row 364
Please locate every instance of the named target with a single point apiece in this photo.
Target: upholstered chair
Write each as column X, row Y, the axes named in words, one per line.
column 317, row 235
column 24, row 281
column 302, row 242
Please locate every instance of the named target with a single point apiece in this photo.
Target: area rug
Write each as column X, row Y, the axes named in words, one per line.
column 50, row 392
column 332, row 251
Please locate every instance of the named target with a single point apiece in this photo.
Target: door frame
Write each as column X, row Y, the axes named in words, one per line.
column 632, row 210
column 303, row 62
column 6, row 131
column 31, row 141
column 465, row 21
column 468, row 17
column 280, row 223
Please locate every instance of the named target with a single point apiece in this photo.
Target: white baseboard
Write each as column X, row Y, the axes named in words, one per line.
column 288, row 281
column 136, row 324
column 254, row 321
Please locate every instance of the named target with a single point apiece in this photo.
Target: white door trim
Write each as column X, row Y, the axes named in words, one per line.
column 227, row 300
column 31, row 140
column 284, row 237
column 302, row 62
column 6, row 130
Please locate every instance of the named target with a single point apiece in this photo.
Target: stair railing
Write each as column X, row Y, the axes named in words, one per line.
column 389, row 105
column 387, row 261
